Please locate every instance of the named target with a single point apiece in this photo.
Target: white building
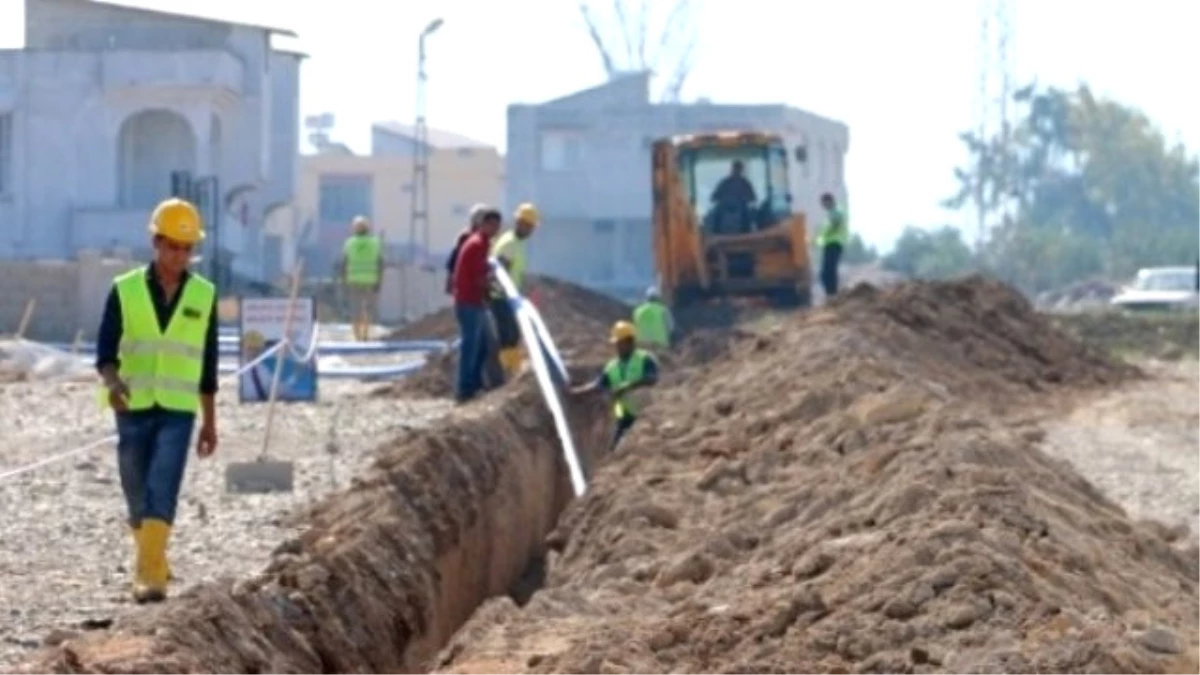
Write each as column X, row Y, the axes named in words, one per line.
column 106, row 102
column 585, row 159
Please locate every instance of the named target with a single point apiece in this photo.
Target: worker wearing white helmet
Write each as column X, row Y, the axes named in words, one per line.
column 653, row 321
column 361, row 269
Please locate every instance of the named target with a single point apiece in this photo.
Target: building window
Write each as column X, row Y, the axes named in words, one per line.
column 344, row 197
column 603, row 226
column 561, row 150
column 839, row 158
column 6, row 154
column 466, row 152
column 459, row 210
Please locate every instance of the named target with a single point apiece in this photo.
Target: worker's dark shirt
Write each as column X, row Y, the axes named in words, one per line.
column 462, row 239
column 108, row 342
column 734, row 191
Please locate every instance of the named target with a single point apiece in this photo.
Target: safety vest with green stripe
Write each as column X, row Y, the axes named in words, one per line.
column 162, row 368
column 650, row 319
column 362, row 260
column 619, row 373
column 835, row 230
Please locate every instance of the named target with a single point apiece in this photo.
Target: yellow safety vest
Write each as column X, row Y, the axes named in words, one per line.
column 836, row 229
column 362, row 260
column 163, row 368
column 619, row 373
column 650, row 319
column 511, row 247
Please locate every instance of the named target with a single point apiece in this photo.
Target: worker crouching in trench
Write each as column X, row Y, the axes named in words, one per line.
column 631, row 369
column 157, row 356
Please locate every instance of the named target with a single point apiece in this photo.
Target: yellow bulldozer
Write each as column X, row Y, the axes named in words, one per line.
column 724, row 229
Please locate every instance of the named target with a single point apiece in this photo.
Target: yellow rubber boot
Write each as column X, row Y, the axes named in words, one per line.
column 137, row 546
column 510, row 360
column 151, row 575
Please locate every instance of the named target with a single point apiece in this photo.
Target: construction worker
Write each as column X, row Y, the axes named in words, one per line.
column 631, row 369
column 832, row 239
column 157, row 357
column 509, row 250
column 362, row 272
column 653, row 321
column 472, row 285
column 473, row 219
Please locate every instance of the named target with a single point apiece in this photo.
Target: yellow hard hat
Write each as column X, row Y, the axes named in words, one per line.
column 177, row 220
column 622, row 330
column 527, row 213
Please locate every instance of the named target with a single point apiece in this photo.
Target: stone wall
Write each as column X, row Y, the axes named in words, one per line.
column 69, row 294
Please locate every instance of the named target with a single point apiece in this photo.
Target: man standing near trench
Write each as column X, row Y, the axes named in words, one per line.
column 362, row 274
column 832, row 239
column 509, row 250
column 157, row 356
column 472, row 281
column 629, row 370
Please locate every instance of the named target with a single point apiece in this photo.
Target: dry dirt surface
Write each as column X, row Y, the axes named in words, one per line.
column 1160, row 335
column 861, row 490
column 1138, row 444
column 578, row 319
column 64, row 550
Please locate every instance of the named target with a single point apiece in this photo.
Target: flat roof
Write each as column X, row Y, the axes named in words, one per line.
column 139, row 6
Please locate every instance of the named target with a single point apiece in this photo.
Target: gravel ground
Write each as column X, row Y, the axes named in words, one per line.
column 64, row 549
column 1138, row 445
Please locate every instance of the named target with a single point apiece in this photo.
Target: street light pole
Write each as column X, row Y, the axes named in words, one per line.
column 419, row 219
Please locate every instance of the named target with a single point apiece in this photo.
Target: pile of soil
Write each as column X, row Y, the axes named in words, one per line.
column 578, row 320
column 859, row 490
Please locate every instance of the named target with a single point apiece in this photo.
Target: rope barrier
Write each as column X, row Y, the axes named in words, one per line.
column 310, row 352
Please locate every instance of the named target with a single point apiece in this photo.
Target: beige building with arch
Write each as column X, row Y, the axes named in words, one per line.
column 106, row 102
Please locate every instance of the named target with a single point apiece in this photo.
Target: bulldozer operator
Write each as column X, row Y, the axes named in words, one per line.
column 733, row 199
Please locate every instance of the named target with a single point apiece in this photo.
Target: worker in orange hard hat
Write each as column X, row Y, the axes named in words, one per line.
column 157, row 357
column 509, row 251
column 631, row 369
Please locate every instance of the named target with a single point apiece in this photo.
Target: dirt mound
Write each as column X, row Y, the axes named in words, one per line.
column 577, row 318
column 859, row 490
column 388, row 570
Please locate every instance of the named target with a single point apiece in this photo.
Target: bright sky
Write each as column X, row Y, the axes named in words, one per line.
column 902, row 75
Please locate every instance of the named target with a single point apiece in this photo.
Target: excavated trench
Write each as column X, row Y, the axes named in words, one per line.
column 388, row 569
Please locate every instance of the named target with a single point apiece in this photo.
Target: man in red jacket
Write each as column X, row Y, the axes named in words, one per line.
column 471, row 286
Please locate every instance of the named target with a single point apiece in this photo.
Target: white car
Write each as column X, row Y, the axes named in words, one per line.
column 1161, row 288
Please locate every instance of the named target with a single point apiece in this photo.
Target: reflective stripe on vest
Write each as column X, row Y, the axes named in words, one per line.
column 650, row 319
column 362, row 260
column 628, row 372
column 163, row 368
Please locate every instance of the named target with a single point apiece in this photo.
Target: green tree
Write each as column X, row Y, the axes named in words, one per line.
column 926, row 254
column 858, row 252
column 1090, row 185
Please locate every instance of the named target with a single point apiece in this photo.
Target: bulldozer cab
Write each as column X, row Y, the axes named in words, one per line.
column 736, row 188
column 723, row 221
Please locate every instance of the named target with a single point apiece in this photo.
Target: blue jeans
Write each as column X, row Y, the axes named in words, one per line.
column 472, row 349
column 152, row 452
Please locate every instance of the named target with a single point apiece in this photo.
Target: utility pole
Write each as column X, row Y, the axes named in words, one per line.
column 419, row 216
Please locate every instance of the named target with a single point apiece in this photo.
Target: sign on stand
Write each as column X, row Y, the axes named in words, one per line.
column 262, row 326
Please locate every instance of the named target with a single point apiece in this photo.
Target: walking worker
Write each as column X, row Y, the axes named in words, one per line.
column 472, row 280
column 509, row 250
column 631, row 369
column 157, row 357
column 832, row 239
column 362, row 273
column 653, row 321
